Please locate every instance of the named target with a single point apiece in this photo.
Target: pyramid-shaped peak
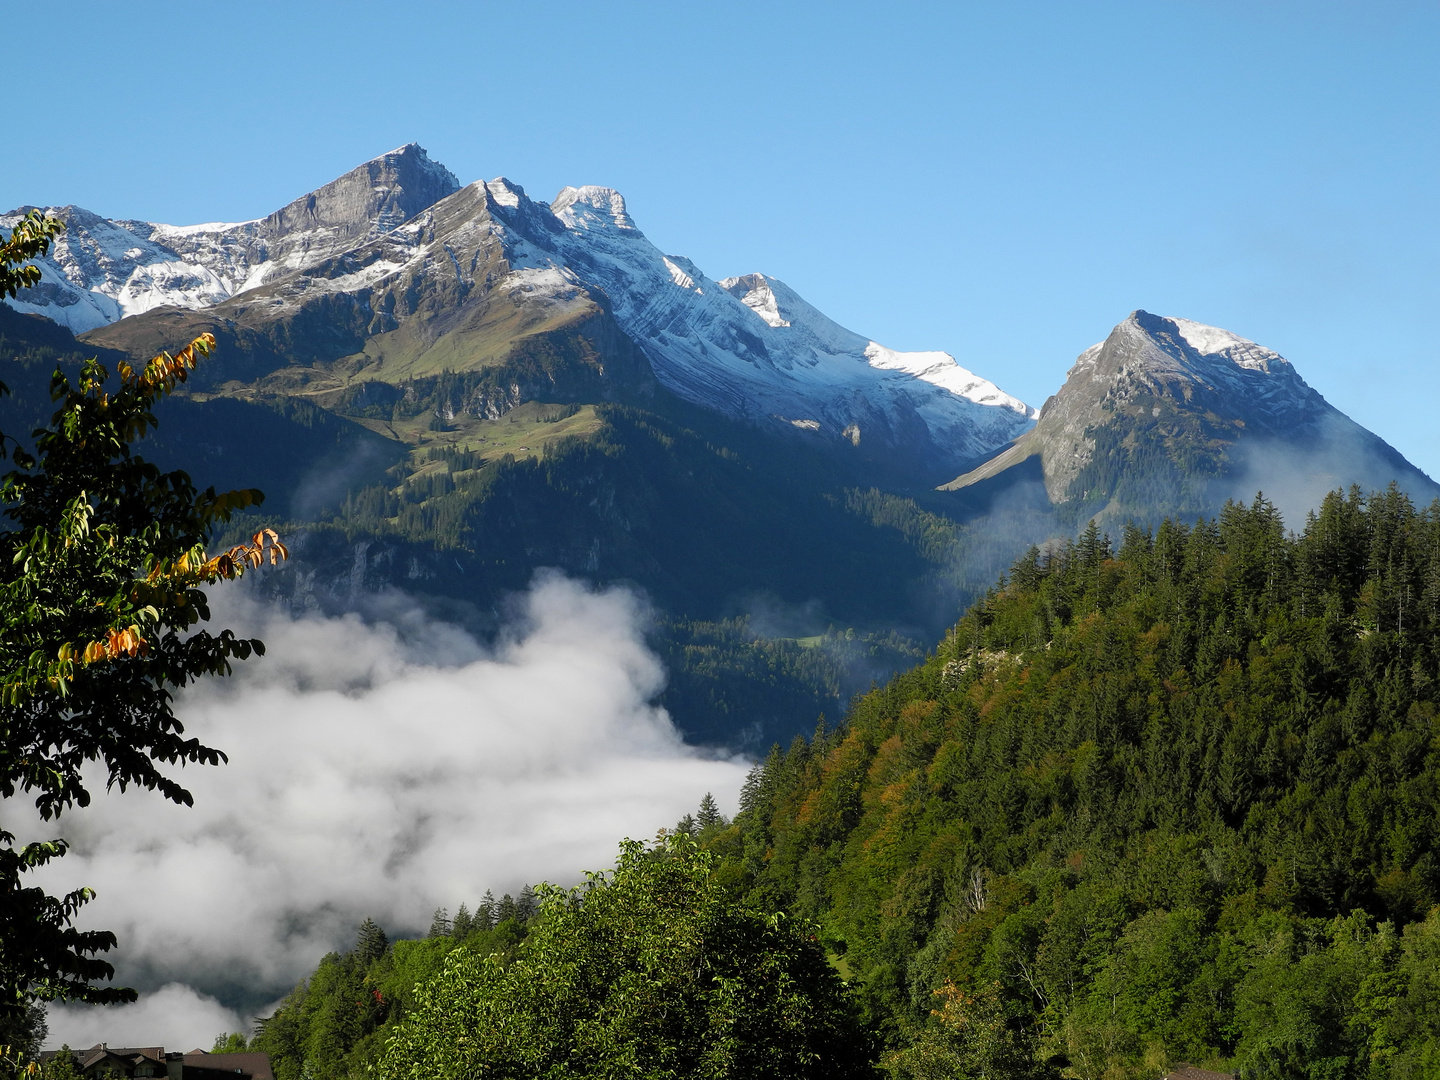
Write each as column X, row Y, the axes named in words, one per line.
column 1201, row 340
column 382, row 193
column 591, row 205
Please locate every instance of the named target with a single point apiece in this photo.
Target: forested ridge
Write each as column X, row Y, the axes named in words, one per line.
column 1175, row 801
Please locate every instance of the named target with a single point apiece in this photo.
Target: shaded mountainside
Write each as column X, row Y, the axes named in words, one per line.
column 713, row 521
column 1171, row 417
column 1173, row 802
column 304, row 458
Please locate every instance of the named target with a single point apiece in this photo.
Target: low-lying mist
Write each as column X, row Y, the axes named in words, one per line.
column 377, row 769
column 1296, row 477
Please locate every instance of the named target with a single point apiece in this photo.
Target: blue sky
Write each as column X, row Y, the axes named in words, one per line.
column 1002, row 181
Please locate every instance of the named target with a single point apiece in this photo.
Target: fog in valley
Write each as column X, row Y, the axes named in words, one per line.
column 378, row 768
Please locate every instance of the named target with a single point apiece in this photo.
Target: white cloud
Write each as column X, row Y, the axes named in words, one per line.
column 174, row 1016
column 378, row 770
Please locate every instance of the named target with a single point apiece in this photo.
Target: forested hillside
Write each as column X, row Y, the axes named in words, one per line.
column 1178, row 800
column 713, row 521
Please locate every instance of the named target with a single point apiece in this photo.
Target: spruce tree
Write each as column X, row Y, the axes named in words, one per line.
column 506, row 909
column 370, row 943
column 485, row 912
column 463, row 924
column 526, row 905
column 440, row 923
column 709, row 813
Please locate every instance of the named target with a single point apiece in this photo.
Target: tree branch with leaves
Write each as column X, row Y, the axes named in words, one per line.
column 102, row 575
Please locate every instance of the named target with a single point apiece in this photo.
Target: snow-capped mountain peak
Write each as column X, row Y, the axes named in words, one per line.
column 588, row 206
column 1161, row 351
column 401, row 237
column 1169, row 416
column 101, row 270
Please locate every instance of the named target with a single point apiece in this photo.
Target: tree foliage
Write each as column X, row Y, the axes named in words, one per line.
column 101, row 576
column 334, row 1024
column 657, row 970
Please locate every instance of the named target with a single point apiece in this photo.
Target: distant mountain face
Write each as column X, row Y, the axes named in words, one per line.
column 1169, row 416
column 100, row 271
column 750, row 346
column 394, row 272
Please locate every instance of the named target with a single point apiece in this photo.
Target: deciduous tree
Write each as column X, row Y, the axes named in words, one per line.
column 657, row 970
column 102, row 570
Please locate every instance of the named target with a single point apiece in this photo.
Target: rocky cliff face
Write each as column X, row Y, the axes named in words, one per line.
column 1171, row 416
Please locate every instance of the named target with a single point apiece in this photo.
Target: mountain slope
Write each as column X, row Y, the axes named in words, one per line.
column 1169, row 416
column 304, row 458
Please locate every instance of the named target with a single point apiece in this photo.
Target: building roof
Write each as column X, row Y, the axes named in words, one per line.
column 1190, row 1072
column 196, row 1065
column 202, row 1066
column 131, row 1054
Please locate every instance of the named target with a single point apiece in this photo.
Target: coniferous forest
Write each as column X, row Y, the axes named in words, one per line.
column 1168, row 799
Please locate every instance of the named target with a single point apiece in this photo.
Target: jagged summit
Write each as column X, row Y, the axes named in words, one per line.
column 372, row 198
column 1150, row 364
column 102, row 270
column 580, row 207
column 1177, row 353
column 1167, row 415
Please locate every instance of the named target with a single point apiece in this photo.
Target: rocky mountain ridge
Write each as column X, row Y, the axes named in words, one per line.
column 394, row 288
column 100, row 270
column 394, row 271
